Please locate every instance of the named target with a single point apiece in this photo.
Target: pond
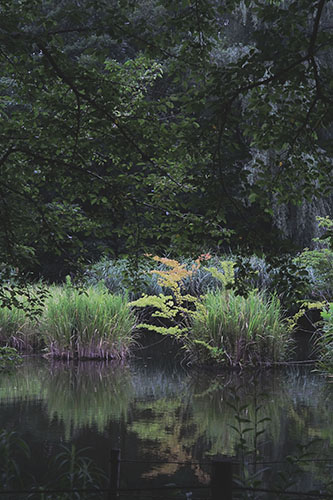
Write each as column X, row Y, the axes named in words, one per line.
column 156, row 411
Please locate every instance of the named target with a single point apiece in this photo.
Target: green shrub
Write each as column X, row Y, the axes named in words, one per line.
column 324, row 343
column 20, row 308
column 238, row 331
column 319, row 264
column 87, row 324
column 9, row 358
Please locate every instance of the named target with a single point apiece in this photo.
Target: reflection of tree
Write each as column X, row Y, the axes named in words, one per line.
column 167, row 432
column 90, row 393
column 197, row 422
column 176, row 416
column 214, row 416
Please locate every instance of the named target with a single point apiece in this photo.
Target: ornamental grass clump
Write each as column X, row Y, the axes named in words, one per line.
column 239, row 331
column 87, row 324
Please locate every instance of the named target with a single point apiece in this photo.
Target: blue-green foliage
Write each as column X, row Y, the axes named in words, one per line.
column 120, row 277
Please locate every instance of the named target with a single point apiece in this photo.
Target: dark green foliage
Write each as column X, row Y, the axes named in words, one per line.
column 324, row 342
column 9, row 358
column 290, row 280
column 182, row 129
column 319, row 265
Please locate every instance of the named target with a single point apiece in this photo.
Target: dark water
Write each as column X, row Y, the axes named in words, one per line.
column 157, row 411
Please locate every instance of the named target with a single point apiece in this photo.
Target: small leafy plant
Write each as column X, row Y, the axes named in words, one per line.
column 9, row 358
column 250, row 429
column 324, row 343
column 11, row 447
column 76, row 471
column 176, row 307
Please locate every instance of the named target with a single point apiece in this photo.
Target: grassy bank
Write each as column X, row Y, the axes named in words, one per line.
column 224, row 310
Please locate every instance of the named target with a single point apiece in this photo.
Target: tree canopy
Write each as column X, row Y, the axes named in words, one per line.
column 161, row 125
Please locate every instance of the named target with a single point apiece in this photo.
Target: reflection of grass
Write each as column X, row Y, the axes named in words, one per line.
column 26, row 383
column 176, row 416
column 88, row 394
column 214, row 416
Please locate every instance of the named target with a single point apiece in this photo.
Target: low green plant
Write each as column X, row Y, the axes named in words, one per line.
column 87, row 324
column 293, row 472
column 75, row 470
column 71, row 469
column 252, row 474
column 250, row 426
column 9, row 358
column 11, row 448
column 239, row 330
column 324, row 343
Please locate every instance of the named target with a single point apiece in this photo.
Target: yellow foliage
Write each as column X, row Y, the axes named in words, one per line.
column 305, row 306
column 227, row 277
column 173, row 307
column 172, row 278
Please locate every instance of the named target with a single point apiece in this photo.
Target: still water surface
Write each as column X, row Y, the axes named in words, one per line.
column 155, row 410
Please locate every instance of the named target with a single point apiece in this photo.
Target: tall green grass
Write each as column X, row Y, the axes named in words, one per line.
column 239, row 331
column 77, row 324
column 16, row 329
column 87, row 324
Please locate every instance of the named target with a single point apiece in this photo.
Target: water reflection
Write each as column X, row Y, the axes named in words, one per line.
column 164, row 412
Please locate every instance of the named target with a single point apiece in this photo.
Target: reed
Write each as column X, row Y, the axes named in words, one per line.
column 239, row 330
column 87, row 324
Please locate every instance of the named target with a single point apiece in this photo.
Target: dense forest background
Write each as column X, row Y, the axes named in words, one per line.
column 165, row 126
